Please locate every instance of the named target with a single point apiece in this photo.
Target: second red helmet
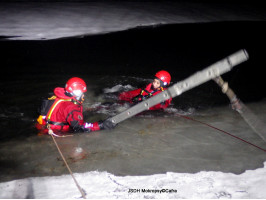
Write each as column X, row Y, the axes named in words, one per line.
column 164, row 76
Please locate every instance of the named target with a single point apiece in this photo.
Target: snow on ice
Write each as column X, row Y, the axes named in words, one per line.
column 207, row 185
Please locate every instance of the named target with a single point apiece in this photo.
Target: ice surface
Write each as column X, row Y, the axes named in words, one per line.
column 97, row 185
column 46, row 20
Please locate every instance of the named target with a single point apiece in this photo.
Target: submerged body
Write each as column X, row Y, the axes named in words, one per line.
column 65, row 115
column 140, row 94
column 64, row 111
column 161, row 80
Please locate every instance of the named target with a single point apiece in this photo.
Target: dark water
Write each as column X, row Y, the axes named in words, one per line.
column 32, row 69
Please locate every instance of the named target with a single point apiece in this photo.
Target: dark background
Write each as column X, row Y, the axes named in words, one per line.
column 181, row 49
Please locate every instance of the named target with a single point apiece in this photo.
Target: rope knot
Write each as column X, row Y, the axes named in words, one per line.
column 224, row 87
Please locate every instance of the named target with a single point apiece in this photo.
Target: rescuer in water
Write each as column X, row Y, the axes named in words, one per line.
column 63, row 112
column 161, row 81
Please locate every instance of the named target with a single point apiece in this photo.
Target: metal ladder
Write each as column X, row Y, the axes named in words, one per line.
column 178, row 88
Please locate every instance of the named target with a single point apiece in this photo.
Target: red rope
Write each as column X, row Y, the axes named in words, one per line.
column 186, row 117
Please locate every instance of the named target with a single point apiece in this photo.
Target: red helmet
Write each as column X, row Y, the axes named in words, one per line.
column 164, row 77
column 76, row 86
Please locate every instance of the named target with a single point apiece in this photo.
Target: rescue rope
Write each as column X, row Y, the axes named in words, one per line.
column 189, row 118
column 50, row 131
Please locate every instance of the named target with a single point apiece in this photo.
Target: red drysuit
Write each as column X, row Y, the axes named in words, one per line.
column 147, row 92
column 65, row 114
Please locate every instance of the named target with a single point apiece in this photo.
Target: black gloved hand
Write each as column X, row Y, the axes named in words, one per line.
column 137, row 99
column 106, row 124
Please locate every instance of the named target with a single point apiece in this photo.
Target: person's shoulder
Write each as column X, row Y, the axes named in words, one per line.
column 59, row 91
column 148, row 87
column 70, row 104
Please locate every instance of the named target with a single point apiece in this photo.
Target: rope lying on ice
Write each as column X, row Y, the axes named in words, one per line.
column 50, row 131
column 186, row 117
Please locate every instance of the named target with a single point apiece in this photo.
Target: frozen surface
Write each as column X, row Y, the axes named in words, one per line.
column 51, row 20
column 204, row 185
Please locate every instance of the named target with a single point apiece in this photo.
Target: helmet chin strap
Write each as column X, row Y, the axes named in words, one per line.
column 81, row 98
column 162, row 84
column 77, row 99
